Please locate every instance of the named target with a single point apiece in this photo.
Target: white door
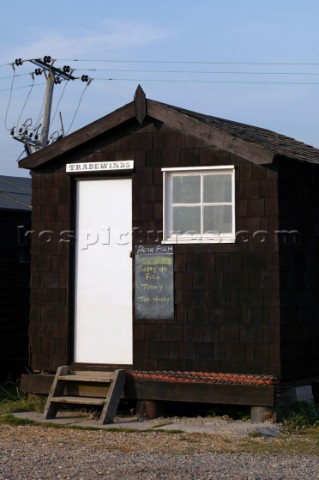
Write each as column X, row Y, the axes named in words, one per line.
column 103, row 272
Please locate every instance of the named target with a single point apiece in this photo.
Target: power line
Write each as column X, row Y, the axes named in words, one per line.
column 225, row 72
column 176, row 62
column 20, row 155
column 61, row 96
column 9, row 101
column 77, row 108
column 26, row 101
column 172, row 73
column 37, row 123
column 205, row 81
column 10, row 76
column 17, row 62
column 22, row 87
column 190, row 72
column 187, row 62
column 194, row 81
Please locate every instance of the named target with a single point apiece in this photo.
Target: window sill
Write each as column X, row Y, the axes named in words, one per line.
column 197, row 240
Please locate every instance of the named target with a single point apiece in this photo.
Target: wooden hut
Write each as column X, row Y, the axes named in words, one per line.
column 181, row 247
column 15, row 216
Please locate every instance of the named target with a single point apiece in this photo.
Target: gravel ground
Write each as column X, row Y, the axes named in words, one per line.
column 38, row 453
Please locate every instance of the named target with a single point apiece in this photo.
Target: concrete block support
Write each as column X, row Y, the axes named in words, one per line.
column 148, row 409
column 261, row 414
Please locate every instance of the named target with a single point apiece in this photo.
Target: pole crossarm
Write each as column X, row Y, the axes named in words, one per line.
column 55, row 71
column 32, row 138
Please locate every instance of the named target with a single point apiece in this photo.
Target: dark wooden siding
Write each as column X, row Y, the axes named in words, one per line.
column 14, row 293
column 226, row 295
column 50, row 276
column 299, row 269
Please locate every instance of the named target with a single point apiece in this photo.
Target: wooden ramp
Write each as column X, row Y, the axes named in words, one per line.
column 91, row 388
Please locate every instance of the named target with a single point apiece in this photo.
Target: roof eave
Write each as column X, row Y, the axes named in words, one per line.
column 139, row 108
column 208, row 133
column 77, row 138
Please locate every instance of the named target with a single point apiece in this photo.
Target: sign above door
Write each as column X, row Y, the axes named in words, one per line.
column 93, row 167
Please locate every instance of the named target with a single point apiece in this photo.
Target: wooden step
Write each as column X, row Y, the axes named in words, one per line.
column 78, row 400
column 97, row 377
column 115, row 380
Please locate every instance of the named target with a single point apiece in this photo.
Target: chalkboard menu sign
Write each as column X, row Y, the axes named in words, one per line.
column 154, row 282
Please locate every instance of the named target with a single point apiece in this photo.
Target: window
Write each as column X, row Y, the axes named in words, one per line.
column 199, row 204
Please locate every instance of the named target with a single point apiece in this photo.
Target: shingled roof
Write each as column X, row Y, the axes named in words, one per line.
column 268, row 140
column 15, row 193
column 255, row 144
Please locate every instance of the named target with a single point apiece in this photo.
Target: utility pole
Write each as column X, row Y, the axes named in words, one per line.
column 47, row 110
column 30, row 136
column 54, row 76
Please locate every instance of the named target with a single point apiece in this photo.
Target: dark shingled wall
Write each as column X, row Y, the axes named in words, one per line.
column 227, row 310
column 299, row 269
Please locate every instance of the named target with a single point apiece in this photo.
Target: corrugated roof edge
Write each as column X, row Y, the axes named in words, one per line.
column 15, row 193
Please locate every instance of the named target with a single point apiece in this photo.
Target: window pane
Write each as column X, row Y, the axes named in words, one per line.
column 217, row 188
column 218, row 219
column 186, row 189
column 186, row 220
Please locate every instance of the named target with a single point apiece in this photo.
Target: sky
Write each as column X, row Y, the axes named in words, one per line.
column 255, row 62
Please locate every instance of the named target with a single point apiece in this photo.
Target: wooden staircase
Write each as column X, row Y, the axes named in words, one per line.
column 91, row 388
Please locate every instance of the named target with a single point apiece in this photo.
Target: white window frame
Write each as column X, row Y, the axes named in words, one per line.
column 210, row 237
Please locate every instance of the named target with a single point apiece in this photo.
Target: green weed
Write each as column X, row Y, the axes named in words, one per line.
column 254, row 434
column 9, row 419
column 13, row 400
column 300, row 415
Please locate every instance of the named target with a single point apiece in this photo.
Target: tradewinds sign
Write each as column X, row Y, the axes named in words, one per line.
column 93, row 167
